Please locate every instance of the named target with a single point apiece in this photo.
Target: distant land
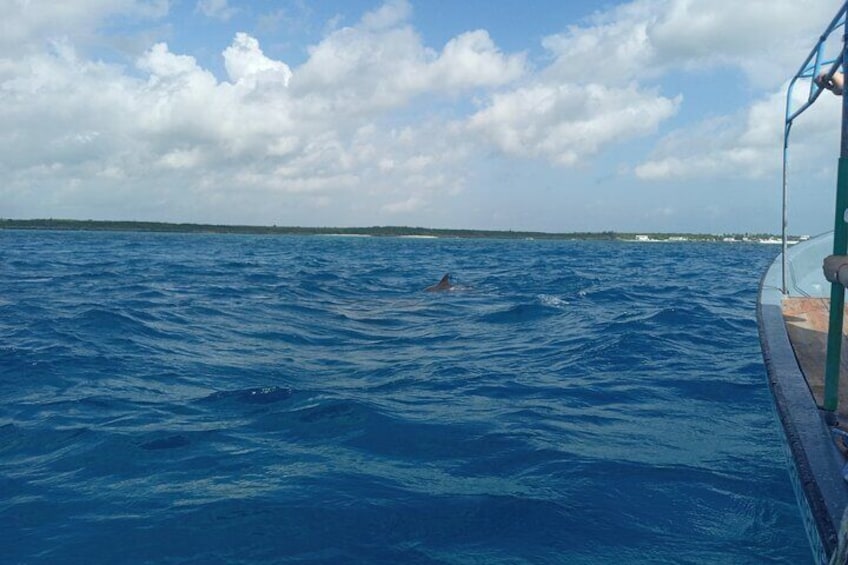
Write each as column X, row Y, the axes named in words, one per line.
column 375, row 231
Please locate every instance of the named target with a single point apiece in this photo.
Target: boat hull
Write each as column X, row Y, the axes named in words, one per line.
column 814, row 460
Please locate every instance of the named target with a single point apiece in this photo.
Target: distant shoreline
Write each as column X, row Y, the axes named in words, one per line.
column 374, row 231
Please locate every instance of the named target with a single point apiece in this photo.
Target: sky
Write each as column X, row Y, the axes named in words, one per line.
column 550, row 115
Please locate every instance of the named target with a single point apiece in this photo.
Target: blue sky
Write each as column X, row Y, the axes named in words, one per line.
column 649, row 115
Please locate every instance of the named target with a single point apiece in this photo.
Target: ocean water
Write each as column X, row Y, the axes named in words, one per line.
column 198, row 398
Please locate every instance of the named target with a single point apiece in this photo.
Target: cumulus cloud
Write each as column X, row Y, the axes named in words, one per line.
column 382, row 63
column 245, row 62
column 750, row 35
column 646, row 38
column 360, row 125
column 596, row 91
column 568, row 123
column 748, row 144
column 26, row 25
column 174, row 135
column 472, row 59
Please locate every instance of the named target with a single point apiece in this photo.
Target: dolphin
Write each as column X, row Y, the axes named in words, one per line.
column 443, row 284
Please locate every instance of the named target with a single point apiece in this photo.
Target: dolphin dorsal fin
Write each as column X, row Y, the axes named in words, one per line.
column 443, row 284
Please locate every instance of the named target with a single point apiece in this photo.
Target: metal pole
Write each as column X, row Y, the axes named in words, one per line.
column 784, row 246
column 840, row 247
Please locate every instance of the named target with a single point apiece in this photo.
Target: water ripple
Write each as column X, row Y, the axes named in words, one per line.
column 205, row 398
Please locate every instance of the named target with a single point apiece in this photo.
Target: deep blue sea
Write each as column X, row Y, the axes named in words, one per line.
column 173, row 398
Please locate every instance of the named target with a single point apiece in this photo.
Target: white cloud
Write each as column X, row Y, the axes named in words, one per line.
column 26, row 25
column 568, row 123
column 389, row 15
column 751, row 35
column 218, row 9
column 175, row 136
column 182, row 158
column 614, row 47
column 162, row 64
column 747, row 145
column 646, row 38
column 382, row 63
column 713, row 149
column 472, row 59
column 245, row 63
column 374, row 121
column 595, row 93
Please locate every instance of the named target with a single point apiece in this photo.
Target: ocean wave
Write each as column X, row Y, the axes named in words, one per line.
column 269, row 399
column 259, row 395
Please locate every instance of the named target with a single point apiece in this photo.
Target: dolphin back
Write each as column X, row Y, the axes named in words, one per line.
column 443, row 284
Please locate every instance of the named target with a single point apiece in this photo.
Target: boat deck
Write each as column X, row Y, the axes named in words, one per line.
column 806, row 322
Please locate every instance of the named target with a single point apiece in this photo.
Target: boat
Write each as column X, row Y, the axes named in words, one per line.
column 800, row 314
column 793, row 335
